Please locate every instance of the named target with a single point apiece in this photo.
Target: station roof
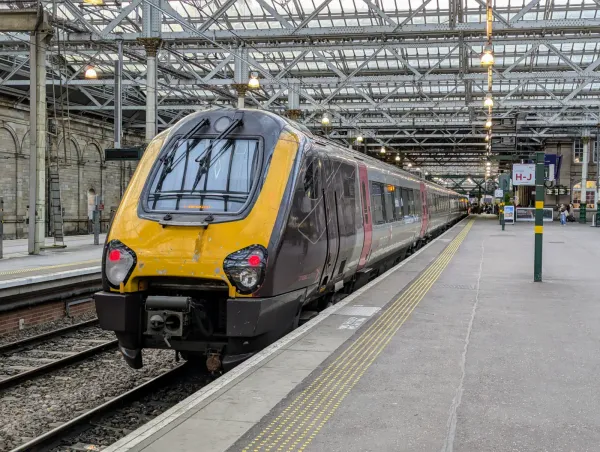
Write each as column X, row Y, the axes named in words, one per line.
column 404, row 74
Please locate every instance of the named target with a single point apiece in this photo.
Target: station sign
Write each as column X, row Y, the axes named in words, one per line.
column 523, row 174
column 124, row 154
column 558, row 191
column 552, row 163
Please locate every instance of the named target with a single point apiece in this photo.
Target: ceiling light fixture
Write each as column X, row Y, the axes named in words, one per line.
column 90, row 73
column 489, row 101
column 325, row 119
column 253, row 82
column 487, row 57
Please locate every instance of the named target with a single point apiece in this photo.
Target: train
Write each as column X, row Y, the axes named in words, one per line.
column 239, row 225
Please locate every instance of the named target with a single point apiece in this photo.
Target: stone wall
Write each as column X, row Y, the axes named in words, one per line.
column 82, row 169
column 570, row 171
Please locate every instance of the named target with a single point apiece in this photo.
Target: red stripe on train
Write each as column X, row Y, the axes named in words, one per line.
column 363, row 179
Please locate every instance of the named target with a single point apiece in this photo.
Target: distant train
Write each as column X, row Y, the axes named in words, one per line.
column 238, row 224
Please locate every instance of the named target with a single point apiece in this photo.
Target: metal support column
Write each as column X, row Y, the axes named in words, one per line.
column 96, row 219
column 151, row 45
column 240, row 75
column 118, row 114
column 293, row 111
column 539, row 216
column 118, row 94
column 584, row 171
column 37, row 139
column 151, row 32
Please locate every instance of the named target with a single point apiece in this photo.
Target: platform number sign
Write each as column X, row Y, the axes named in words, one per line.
column 523, row 174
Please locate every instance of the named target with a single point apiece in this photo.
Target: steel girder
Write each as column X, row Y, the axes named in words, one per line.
column 546, row 73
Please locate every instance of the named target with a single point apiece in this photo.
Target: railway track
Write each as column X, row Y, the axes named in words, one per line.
column 37, row 355
column 108, row 422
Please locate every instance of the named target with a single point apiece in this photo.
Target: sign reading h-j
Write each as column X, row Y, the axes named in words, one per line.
column 523, row 174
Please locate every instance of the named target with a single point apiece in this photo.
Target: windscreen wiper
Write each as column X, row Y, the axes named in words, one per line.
column 167, row 159
column 205, row 161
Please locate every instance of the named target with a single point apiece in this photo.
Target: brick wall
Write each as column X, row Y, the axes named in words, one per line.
column 40, row 314
column 82, row 169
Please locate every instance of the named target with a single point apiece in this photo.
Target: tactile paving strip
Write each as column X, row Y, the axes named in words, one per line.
column 300, row 422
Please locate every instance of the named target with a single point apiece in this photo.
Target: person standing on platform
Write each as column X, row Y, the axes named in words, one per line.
column 563, row 214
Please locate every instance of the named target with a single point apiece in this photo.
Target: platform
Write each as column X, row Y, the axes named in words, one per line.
column 456, row 349
column 79, row 256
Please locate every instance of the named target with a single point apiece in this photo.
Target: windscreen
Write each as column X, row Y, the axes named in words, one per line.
column 197, row 175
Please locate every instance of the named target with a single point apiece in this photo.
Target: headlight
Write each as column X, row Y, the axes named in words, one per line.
column 246, row 268
column 119, row 263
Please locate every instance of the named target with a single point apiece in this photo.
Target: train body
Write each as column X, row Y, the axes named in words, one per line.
column 238, row 222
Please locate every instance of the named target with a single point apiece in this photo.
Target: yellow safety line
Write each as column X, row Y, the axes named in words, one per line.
column 300, row 421
column 48, row 267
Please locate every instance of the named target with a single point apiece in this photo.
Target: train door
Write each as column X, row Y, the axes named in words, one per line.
column 330, row 191
column 424, row 210
column 366, row 208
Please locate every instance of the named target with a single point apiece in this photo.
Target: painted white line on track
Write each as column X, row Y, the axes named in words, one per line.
column 147, row 430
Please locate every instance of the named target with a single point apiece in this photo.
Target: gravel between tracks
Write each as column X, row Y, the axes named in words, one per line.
column 50, row 326
column 44, row 403
column 110, row 427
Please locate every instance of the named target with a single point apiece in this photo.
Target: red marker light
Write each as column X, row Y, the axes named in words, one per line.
column 114, row 255
column 254, row 260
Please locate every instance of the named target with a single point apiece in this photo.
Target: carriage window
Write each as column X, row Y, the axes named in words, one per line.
column 399, row 203
column 408, row 200
column 192, row 176
column 377, row 203
column 389, row 202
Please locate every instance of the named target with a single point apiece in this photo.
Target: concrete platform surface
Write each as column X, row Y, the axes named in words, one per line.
column 456, row 349
column 79, row 254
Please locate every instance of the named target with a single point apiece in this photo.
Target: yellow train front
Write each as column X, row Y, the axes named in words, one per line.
column 187, row 252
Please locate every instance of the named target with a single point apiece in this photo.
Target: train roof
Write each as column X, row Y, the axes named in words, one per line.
column 323, row 141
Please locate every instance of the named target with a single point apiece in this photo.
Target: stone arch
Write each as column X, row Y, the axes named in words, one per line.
column 25, row 146
column 92, row 154
column 12, row 133
column 9, row 145
column 71, row 155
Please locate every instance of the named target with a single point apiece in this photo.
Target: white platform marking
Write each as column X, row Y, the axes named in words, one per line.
column 358, row 310
column 352, row 323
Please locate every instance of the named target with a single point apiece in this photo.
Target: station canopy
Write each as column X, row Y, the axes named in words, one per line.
column 405, row 75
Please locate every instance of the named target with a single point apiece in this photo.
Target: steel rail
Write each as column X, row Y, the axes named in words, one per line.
column 41, row 370
column 47, row 440
column 16, row 345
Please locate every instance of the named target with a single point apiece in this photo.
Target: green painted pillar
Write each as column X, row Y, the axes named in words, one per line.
column 584, row 173
column 539, row 216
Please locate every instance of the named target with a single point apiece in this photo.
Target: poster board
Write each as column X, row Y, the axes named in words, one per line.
column 528, row 214
column 509, row 214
